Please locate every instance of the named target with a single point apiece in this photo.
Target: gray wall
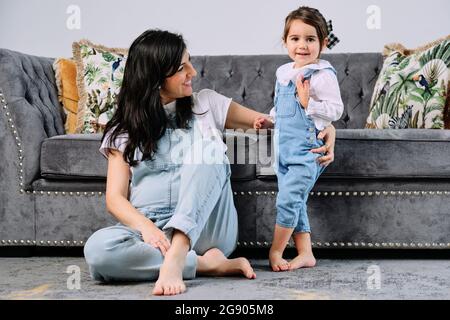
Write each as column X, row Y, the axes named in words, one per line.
column 214, row 27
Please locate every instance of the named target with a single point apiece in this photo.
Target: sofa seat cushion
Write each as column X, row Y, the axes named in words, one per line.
column 372, row 153
column 77, row 156
column 73, row 156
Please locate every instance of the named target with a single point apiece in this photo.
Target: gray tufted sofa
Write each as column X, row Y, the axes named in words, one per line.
column 386, row 188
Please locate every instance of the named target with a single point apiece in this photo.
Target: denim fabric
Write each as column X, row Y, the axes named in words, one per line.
column 193, row 197
column 155, row 183
column 296, row 167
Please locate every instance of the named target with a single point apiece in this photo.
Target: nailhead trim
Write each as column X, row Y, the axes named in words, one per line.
column 54, row 243
column 66, row 193
column 352, row 244
column 16, row 138
column 351, row 193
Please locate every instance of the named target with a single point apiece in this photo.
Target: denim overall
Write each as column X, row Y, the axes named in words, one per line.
column 297, row 168
column 195, row 198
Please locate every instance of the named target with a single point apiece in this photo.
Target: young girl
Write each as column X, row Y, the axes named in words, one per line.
column 307, row 99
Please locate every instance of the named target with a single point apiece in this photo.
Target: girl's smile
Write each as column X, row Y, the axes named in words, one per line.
column 302, row 43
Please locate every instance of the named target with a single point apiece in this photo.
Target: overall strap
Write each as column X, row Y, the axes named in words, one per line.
column 309, row 72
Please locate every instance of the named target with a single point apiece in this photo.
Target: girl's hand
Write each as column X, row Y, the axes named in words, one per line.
column 303, row 91
column 156, row 238
column 329, row 135
column 262, row 123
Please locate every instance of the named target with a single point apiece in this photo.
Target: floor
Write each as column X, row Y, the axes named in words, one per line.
column 333, row 278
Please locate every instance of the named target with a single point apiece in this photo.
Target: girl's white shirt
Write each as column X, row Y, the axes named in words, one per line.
column 325, row 102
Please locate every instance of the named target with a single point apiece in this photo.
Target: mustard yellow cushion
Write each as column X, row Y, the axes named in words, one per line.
column 66, row 80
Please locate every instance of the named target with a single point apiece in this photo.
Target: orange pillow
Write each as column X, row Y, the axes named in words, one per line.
column 66, row 81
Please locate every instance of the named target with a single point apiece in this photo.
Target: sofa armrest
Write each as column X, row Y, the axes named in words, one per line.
column 31, row 111
column 17, row 216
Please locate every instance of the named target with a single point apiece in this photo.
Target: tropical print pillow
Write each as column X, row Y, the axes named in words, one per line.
column 99, row 78
column 411, row 90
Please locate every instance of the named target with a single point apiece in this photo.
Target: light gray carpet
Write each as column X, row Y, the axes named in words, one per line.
column 47, row 278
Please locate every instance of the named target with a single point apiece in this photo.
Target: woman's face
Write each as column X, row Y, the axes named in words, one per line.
column 179, row 85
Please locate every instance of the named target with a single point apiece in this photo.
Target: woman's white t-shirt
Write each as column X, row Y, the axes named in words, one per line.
column 209, row 108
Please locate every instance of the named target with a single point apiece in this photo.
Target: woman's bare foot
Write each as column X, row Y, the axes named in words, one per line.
column 303, row 260
column 277, row 262
column 214, row 263
column 170, row 281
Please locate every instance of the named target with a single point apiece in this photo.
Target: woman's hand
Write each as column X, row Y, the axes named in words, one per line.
column 155, row 237
column 262, row 123
column 329, row 135
column 303, row 91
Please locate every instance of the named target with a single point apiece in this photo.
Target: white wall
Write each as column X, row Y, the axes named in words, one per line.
column 214, row 27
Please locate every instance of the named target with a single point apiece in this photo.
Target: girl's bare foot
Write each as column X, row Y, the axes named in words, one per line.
column 214, row 263
column 303, row 260
column 277, row 262
column 170, row 281
column 281, row 237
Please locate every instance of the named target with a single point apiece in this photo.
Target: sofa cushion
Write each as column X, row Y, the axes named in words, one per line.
column 66, row 82
column 73, row 156
column 412, row 87
column 99, row 78
column 372, row 153
column 76, row 156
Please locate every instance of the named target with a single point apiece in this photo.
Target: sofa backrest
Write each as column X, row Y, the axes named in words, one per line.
column 28, row 84
column 250, row 80
column 34, row 113
column 31, row 80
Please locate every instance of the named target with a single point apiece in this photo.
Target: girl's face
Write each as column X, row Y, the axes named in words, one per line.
column 179, row 85
column 302, row 43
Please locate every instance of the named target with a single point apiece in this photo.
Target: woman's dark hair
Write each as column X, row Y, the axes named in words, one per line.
column 310, row 16
column 152, row 57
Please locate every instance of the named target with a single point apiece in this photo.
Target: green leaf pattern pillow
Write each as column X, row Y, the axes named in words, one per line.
column 99, row 78
column 411, row 89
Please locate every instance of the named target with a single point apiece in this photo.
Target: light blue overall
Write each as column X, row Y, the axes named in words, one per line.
column 194, row 198
column 297, row 168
